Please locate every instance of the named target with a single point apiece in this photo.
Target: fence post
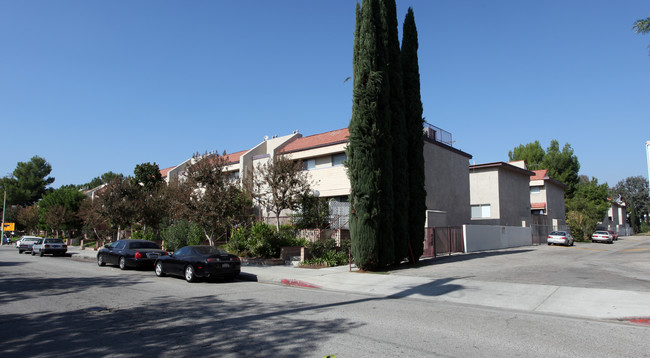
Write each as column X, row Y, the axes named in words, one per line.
column 449, row 236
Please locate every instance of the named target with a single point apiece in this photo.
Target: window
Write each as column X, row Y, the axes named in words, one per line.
column 481, row 211
column 338, row 159
column 309, row 164
column 534, row 190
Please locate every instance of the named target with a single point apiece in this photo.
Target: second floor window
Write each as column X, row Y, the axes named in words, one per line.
column 338, row 159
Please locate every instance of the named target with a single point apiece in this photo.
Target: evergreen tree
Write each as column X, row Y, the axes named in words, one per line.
column 415, row 139
column 369, row 149
column 398, row 132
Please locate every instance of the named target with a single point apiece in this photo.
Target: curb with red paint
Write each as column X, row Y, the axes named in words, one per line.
column 643, row 321
column 298, row 283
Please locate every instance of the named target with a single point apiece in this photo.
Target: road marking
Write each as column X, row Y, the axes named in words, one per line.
column 633, row 250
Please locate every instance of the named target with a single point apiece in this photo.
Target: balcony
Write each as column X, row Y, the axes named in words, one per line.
column 433, row 133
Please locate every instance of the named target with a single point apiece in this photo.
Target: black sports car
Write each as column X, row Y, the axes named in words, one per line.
column 130, row 253
column 193, row 262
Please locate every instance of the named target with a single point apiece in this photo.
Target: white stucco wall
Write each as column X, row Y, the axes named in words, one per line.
column 486, row 237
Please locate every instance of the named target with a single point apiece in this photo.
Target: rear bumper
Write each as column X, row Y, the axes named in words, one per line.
column 219, row 271
column 144, row 262
column 558, row 241
column 54, row 251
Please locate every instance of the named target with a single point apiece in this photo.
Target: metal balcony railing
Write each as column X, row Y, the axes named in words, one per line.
column 434, row 133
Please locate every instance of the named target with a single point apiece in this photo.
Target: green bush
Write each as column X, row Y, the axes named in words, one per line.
column 326, row 252
column 182, row 233
column 262, row 240
column 645, row 228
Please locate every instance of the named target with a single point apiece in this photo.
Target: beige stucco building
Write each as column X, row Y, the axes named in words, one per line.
column 323, row 156
column 500, row 194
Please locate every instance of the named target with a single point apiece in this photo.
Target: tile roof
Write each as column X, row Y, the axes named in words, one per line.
column 164, row 172
column 234, row 157
column 318, row 140
column 540, row 175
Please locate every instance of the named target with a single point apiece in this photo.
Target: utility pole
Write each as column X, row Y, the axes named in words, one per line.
column 4, row 204
column 647, row 153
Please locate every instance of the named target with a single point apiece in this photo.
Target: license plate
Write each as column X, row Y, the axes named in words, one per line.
column 225, row 265
column 153, row 256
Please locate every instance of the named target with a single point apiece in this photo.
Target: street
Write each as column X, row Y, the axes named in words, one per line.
column 56, row 306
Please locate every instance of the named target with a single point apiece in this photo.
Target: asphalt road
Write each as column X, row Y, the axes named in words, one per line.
column 55, row 306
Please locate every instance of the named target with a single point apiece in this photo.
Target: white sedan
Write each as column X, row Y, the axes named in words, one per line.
column 560, row 237
column 602, row 236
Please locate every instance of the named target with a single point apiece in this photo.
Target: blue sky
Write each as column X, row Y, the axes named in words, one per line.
column 97, row 86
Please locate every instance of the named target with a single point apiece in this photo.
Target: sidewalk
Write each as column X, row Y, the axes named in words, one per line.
column 569, row 301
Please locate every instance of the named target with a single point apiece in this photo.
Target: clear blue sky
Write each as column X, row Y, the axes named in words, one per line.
column 97, row 86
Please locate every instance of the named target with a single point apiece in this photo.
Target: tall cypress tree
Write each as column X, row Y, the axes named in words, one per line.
column 414, row 122
column 369, row 148
column 398, row 132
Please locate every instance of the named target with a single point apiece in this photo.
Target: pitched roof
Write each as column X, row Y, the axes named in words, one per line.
column 317, row 140
column 501, row 165
column 164, row 172
column 540, row 174
column 234, row 157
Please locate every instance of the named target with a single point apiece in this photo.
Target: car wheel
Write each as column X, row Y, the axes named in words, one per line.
column 189, row 273
column 159, row 270
column 123, row 263
column 40, row 253
column 20, row 251
column 548, row 243
column 33, row 253
column 100, row 260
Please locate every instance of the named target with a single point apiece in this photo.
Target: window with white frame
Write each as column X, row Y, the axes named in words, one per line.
column 481, row 211
column 534, row 190
column 309, row 164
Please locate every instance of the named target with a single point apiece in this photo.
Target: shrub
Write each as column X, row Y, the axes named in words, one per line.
column 182, row 233
column 326, row 252
column 262, row 240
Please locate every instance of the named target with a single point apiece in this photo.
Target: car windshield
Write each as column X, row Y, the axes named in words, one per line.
column 209, row 250
column 144, row 245
column 601, row 232
column 31, row 239
column 558, row 233
column 54, row 241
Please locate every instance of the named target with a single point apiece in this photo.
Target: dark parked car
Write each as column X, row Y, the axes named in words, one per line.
column 194, row 262
column 130, row 253
column 55, row 247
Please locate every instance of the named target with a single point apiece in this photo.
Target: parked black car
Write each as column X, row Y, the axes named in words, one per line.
column 194, row 262
column 130, row 253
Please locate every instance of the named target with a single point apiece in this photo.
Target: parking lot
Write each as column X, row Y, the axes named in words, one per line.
column 623, row 265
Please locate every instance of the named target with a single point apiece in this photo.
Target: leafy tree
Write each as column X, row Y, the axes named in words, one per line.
column 116, row 203
column 531, row 153
column 413, row 117
column 634, row 192
column 148, row 176
column 281, row 183
column 561, row 165
column 28, row 182
column 150, row 200
column 103, row 179
column 586, row 208
column 369, row 151
column 28, row 218
column 215, row 201
column 94, row 223
column 314, row 212
column 182, row 233
column 58, row 209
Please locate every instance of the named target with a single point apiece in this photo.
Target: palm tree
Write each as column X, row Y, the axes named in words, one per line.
column 642, row 26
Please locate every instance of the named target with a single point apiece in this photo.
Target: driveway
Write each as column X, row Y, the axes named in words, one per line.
column 623, row 265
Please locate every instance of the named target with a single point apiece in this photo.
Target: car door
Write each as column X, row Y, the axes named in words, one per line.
column 114, row 252
column 176, row 262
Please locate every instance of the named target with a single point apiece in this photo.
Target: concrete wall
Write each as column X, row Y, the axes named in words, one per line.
column 446, row 174
column 484, row 237
column 555, row 202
